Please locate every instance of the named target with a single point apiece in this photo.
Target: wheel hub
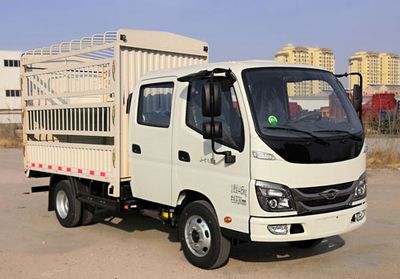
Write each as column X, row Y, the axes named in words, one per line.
column 62, row 204
column 197, row 235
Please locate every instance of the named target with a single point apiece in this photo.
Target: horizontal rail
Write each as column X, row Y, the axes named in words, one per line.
column 70, row 133
column 71, row 145
column 70, row 106
column 70, row 94
column 74, row 66
column 31, row 59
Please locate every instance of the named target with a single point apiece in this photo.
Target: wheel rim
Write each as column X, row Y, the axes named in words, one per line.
column 62, row 204
column 197, row 236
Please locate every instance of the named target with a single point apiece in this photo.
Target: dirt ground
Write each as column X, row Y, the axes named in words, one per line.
column 34, row 245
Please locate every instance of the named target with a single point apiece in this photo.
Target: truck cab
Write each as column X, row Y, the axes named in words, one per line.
column 267, row 171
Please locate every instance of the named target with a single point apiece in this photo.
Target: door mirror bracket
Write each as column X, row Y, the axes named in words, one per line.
column 357, row 92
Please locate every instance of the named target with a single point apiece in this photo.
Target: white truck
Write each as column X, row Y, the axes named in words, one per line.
column 227, row 152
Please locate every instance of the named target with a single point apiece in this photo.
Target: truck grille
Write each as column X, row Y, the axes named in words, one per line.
column 322, row 202
column 322, row 199
column 313, row 190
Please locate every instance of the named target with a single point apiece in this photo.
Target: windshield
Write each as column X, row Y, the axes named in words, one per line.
column 295, row 102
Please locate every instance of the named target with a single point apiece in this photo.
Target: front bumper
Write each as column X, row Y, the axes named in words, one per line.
column 315, row 226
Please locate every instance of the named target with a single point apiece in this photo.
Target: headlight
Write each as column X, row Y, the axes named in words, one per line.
column 274, row 197
column 360, row 192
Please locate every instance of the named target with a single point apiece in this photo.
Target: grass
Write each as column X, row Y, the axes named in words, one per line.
column 10, row 143
column 383, row 158
column 8, row 137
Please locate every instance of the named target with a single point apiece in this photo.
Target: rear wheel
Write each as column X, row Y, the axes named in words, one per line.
column 305, row 244
column 87, row 209
column 202, row 242
column 87, row 214
column 68, row 207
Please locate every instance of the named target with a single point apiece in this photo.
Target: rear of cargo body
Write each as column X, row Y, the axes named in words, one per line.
column 75, row 96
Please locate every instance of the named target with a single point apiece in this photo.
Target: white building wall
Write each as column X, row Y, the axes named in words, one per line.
column 10, row 106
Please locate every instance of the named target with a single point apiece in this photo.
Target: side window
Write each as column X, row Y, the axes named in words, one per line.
column 155, row 104
column 232, row 125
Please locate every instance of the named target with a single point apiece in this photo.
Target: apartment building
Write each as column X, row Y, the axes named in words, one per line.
column 320, row 57
column 376, row 68
column 10, row 87
column 390, row 64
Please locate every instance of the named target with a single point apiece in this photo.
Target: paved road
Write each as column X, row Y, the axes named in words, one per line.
column 34, row 245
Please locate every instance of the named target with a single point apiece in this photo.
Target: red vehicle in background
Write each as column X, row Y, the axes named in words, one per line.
column 378, row 105
column 381, row 111
column 294, row 109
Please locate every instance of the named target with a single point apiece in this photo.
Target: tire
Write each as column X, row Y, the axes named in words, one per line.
column 202, row 242
column 306, row 244
column 87, row 209
column 68, row 208
column 87, row 214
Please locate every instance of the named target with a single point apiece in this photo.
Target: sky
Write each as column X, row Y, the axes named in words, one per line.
column 234, row 30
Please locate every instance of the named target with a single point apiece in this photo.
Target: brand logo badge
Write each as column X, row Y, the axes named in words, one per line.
column 329, row 194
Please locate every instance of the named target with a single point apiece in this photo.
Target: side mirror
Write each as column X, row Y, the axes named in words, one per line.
column 357, row 97
column 211, row 131
column 211, row 99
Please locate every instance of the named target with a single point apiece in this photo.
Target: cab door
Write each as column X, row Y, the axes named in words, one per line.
column 151, row 141
column 196, row 168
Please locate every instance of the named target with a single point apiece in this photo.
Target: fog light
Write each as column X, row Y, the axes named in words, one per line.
column 278, row 229
column 358, row 216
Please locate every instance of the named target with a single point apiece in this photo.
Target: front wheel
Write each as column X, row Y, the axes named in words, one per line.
column 202, row 242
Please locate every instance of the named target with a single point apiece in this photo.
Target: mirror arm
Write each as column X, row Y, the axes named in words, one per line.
column 361, row 86
column 359, row 76
column 352, row 74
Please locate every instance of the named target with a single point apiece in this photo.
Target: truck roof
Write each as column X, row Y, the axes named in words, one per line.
column 234, row 65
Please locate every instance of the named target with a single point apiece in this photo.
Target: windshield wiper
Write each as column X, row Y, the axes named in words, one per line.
column 317, row 139
column 337, row 132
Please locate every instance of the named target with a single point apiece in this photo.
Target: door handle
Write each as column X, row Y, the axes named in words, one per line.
column 136, row 149
column 183, row 156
